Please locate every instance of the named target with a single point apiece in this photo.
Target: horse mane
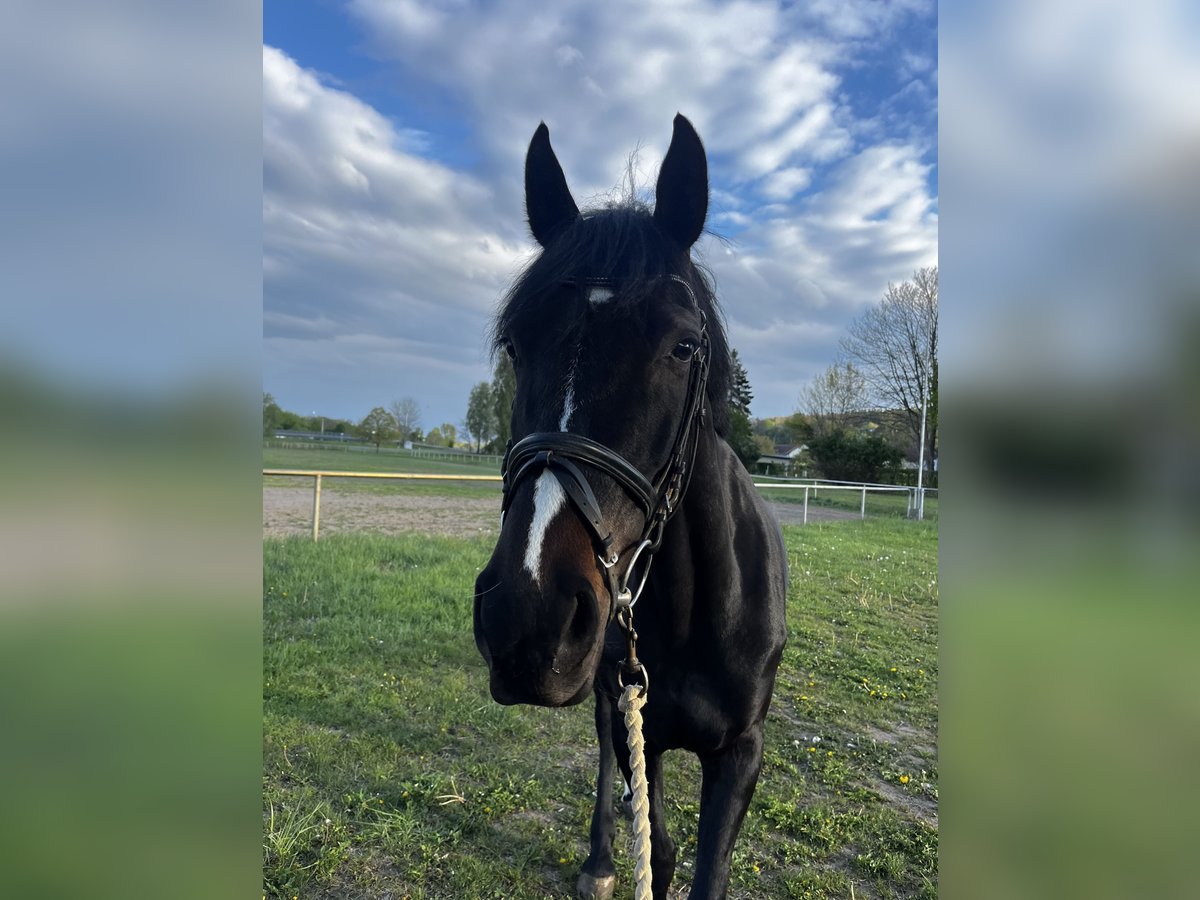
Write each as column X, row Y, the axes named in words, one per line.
column 621, row 242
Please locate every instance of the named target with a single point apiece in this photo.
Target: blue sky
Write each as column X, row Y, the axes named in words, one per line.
column 394, row 135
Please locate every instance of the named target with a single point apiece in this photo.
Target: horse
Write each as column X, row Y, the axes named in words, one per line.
column 618, row 460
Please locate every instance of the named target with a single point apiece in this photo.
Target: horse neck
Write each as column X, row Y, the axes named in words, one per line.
column 707, row 499
column 696, row 543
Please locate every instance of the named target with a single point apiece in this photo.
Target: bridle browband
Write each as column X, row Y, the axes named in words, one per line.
column 561, row 452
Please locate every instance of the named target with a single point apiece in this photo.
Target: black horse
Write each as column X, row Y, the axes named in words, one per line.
column 623, row 379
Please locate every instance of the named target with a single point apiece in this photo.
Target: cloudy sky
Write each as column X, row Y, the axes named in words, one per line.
column 394, row 134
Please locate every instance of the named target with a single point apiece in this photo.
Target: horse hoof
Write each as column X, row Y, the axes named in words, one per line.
column 589, row 887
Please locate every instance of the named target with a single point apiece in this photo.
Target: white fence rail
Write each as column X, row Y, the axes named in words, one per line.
column 809, row 486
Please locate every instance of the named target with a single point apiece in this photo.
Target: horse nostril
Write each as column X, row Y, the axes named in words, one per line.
column 583, row 620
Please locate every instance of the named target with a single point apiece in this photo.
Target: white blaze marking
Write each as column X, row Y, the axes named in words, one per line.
column 569, row 395
column 548, row 495
column 598, row 295
column 568, row 403
column 548, row 499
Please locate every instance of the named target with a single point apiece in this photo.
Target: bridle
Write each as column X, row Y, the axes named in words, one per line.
column 562, row 452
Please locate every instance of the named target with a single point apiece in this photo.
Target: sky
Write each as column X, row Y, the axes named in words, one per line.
column 394, row 135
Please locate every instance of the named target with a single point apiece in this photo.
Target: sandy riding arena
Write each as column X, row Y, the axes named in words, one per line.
column 288, row 511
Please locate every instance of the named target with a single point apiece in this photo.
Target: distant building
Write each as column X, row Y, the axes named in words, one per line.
column 787, row 460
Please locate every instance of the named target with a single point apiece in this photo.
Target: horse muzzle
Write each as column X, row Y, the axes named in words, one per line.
column 541, row 648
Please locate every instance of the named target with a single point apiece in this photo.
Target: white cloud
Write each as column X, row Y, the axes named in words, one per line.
column 786, row 183
column 373, row 256
column 368, row 234
column 796, row 277
column 861, row 18
column 738, row 70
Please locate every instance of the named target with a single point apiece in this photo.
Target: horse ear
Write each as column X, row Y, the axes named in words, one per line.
column 548, row 201
column 681, row 198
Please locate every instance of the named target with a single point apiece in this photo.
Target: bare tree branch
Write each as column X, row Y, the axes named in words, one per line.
column 407, row 413
column 895, row 345
column 832, row 396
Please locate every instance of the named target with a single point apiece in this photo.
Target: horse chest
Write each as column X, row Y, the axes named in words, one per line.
column 702, row 708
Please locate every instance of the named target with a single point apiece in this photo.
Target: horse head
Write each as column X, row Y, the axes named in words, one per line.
column 619, row 355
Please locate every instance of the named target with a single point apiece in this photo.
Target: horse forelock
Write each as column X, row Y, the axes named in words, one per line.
column 621, row 245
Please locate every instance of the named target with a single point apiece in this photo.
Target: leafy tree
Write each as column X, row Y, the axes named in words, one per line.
column 740, row 394
column 480, row 421
column 407, row 413
column 843, row 456
column 741, row 434
column 378, row 426
column 443, row 435
column 799, row 428
column 895, row 344
column 741, row 439
column 272, row 415
column 504, row 388
column 793, row 429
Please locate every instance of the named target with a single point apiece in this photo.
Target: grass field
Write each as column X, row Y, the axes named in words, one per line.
column 388, row 770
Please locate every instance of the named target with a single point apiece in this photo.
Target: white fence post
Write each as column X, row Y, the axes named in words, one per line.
column 864, row 504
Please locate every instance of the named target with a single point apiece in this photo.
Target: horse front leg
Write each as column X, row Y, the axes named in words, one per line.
column 598, row 877
column 728, row 784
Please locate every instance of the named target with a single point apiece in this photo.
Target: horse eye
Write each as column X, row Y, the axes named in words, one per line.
column 510, row 350
column 685, row 350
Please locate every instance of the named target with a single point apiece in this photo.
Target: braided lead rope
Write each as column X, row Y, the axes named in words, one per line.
column 631, row 703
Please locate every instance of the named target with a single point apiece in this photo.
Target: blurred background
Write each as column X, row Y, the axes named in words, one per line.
column 1070, row 175
column 130, row 538
column 130, row 327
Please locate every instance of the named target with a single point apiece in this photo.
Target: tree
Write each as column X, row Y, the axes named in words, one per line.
column 407, row 413
column 799, row 428
column 831, row 397
column 842, row 456
column 481, row 418
column 378, row 426
column 272, row 415
column 504, row 388
column 895, row 344
column 442, row 435
column 740, row 394
column 741, row 434
column 741, row 440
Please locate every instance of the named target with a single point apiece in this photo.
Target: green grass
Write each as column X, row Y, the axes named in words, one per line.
column 389, row 770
